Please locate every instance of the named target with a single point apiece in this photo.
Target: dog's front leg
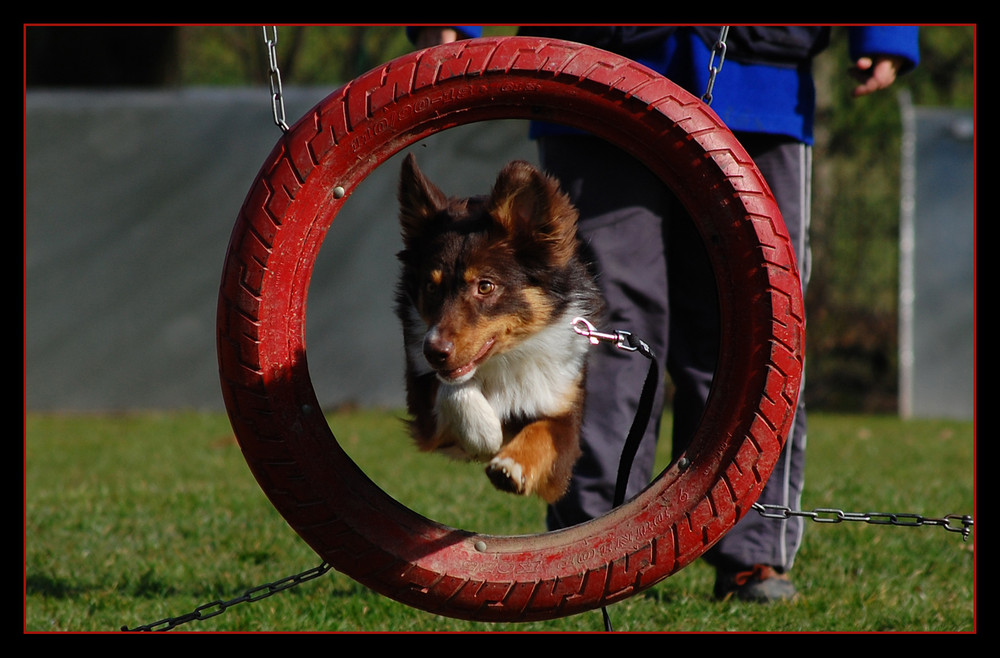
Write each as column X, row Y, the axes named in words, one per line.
column 539, row 459
column 465, row 418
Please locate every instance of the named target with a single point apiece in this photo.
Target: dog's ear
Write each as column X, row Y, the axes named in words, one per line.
column 529, row 204
column 418, row 197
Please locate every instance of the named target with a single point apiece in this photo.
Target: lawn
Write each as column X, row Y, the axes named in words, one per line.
column 134, row 518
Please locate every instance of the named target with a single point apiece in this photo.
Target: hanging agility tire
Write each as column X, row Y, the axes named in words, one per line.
column 326, row 498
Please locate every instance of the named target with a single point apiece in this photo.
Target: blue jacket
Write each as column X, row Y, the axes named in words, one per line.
column 766, row 82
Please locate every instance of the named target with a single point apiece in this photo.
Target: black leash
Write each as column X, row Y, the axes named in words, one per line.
column 643, row 412
column 624, row 340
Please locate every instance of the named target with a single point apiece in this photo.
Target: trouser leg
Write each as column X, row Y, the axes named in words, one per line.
column 658, row 283
column 786, row 166
column 622, row 231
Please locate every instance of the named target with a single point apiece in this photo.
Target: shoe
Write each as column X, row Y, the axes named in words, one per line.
column 760, row 583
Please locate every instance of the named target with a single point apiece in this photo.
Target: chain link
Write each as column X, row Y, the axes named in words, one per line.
column 274, row 77
column 719, row 50
column 209, row 610
column 951, row 523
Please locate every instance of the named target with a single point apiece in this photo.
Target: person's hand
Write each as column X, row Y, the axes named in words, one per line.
column 875, row 73
column 435, row 36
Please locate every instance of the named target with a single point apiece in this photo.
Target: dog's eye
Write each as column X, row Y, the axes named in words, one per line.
column 430, row 288
column 486, row 287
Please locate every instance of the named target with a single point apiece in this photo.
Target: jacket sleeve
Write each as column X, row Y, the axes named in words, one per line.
column 897, row 40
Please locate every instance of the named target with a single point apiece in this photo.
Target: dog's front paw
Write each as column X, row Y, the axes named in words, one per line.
column 507, row 475
column 463, row 413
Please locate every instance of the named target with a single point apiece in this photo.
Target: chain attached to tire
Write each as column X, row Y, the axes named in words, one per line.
column 718, row 50
column 951, row 523
column 274, row 77
column 208, row 610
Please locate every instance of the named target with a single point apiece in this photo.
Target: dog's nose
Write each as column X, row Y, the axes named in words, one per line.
column 437, row 348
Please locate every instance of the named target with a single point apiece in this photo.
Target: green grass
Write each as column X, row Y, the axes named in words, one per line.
column 131, row 519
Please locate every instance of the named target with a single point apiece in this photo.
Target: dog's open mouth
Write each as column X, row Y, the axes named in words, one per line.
column 460, row 372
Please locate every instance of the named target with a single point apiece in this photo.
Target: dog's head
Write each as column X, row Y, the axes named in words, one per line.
column 483, row 272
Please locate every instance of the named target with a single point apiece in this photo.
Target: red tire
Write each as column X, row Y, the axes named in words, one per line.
column 345, row 517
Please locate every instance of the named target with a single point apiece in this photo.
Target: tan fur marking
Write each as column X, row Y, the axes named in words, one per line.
column 545, row 450
column 541, row 307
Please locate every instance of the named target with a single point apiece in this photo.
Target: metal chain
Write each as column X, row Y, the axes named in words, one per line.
column 214, row 608
column 274, row 77
column 951, row 522
column 718, row 50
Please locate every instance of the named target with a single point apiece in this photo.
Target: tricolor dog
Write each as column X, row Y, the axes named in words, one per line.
column 489, row 289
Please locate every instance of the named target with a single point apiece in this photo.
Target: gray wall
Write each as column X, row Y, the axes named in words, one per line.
column 131, row 199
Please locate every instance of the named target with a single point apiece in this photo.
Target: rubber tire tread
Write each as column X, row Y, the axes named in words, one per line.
column 344, row 516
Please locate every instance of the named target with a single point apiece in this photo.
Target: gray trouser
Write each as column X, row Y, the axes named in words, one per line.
column 653, row 270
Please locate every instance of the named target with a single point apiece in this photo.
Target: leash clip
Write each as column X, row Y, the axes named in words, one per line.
column 621, row 339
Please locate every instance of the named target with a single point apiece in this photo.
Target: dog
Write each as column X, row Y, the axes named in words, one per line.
column 489, row 289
